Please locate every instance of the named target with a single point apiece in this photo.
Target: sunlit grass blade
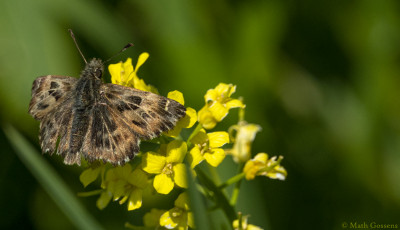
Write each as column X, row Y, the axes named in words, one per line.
column 50, row 181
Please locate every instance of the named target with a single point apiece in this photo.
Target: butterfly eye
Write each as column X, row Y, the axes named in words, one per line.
column 97, row 73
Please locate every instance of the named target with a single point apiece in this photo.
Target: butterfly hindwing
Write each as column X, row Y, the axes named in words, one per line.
column 108, row 137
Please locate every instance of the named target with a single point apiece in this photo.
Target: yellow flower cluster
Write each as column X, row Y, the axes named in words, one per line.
column 124, row 74
column 218, row 103
column 178, row 217
column 165, row 169
column 260, row 165
column 245, row 134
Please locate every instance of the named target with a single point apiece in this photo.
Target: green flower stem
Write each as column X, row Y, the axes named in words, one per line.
column 240, row 218
column 235, row 192
column 219, row 197
column 195, row 131
column 51, row 181
column 91, row 193
column 231, row 180
column 203, row 191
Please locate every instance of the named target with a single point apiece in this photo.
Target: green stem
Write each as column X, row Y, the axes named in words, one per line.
column 240, row 218
column 91, row 193
column 219, row 197
column 235, row 193
column 231, row 180
column 195, row 131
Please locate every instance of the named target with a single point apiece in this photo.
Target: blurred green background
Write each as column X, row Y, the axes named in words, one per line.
column 321, row 77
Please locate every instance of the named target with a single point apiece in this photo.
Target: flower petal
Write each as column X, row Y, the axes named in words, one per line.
column 218, row 139
column 117, row 188
column 218, row 110
column 195, row 157
column 135, row 199
column 234, row 103
column 224, row 89
column 104, row 199
column 141, row 60
column 180, row 176
column 186, row 122
column 261, row 157
column 153, row 162
column 211, row 95
column 190, row 220
column 206, row 118
column 138, row 178
column 182, row 201
column 163, row 183
column 167, row 220
column 177, row 96
column 176, row 151
column 115, row 72
column 215, row 157
column 192, row 116
column 278, row 172
column 128, row 72
column 89, row 175
column 152, row 218
column 250, row 169
column 200, row 138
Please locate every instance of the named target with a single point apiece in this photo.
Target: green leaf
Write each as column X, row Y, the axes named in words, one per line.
column 50, row 181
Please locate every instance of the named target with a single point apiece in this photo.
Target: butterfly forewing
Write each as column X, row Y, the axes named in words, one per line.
column 52, row 105
column 48, row 92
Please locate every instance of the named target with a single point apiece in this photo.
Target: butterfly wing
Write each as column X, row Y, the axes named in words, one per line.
column 122, row 117
column 48, row 92
column 51, row 104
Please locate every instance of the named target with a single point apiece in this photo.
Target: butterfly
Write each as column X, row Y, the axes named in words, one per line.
column 98, row 121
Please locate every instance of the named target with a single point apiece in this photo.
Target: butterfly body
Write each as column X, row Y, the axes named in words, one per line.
column 96, row 120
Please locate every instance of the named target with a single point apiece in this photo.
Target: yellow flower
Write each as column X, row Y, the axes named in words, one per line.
column 179, row 217
column 207, row 146
column 124, row 74
column 169, row 169
column 245, row 134
column 123, row 184
column 218, row 103
column 186, row 122
column 260, row 165
column 245, row 225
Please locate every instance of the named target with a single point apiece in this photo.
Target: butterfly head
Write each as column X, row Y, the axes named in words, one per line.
column 94, row 68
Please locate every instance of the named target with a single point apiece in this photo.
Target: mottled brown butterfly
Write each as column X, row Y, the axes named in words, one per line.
column 98, row 121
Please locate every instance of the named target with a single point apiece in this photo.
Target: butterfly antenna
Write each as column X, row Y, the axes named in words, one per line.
column 123, row 49
column 76, row 44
